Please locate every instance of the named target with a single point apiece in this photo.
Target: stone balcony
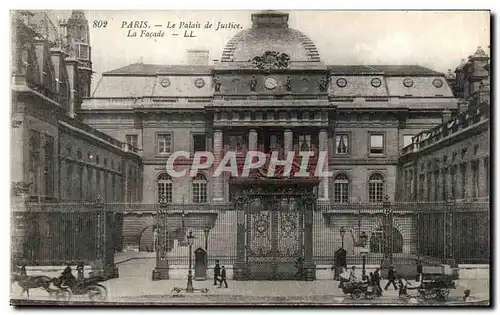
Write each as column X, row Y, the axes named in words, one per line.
column 464, row 121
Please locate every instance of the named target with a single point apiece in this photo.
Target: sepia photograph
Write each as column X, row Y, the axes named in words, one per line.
column 266, row 157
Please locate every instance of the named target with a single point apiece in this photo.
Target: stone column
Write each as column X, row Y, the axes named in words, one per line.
column 323, row 146
column 218, row 181
column 308, row 210
column 252, row 139
column 287, row 141
column 240, row 267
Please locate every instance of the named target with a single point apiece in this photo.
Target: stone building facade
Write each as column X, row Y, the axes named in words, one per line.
column 452, row 160
column 269, row 91
column 55, row 157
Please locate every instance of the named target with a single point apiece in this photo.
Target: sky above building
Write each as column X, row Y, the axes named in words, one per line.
column 434, row 39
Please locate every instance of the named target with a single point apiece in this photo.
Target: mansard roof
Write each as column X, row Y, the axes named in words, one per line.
column 142, row 69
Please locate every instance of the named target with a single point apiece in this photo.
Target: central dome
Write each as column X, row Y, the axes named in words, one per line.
column 270, row 32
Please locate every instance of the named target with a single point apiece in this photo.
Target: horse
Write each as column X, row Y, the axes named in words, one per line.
column 34, row 282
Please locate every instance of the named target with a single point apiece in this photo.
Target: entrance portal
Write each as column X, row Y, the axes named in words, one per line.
column 275, row 229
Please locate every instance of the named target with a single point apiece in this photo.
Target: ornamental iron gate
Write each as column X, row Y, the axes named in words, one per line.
column 275, row 231
column 274, row 237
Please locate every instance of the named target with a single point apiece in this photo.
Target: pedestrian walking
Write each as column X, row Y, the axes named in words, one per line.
column 216, row 272
column 376, row 280
column 420, row 270
column 352, row 276
column 223, row 277
column 392, row 278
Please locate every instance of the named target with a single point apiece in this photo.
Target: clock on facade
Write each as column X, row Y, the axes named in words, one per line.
column 376, row 82
column 341, row 82
column 408, row 82
column 270, row 83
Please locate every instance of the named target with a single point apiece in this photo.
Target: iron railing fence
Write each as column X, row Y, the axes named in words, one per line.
column 60, row 232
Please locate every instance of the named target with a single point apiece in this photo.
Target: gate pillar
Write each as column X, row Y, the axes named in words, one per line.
column 161, row 271
column 308, row 204
column 240, row 266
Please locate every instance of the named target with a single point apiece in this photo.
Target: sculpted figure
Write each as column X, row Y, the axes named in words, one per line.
column 323, row 83
column 288, row 84
column 217, row 84
column 253, row 84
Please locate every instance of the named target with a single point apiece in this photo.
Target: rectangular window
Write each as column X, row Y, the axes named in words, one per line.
column 34, row 161
column 341, row 191
column 407, row 140
column 342, row 144
column 421, row 183
column 132, row 140
column 436, row 185
column 376, row 144
column 164, row 191
column 237, row 142
column 113, row 187
column 475, row 179
column 200, row 192
column 69, row 181
column 305, row 142
column 463, row 182
column 487, row 171
column 164, row 143
column 199, row 143
column 98, row 184
column 444, row 176
column 429, row 185
column 80, row 178
column 49, row 166
column 453, row 188
column 82, row 51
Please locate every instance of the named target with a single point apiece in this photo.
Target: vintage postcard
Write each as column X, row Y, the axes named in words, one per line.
column 250, row 157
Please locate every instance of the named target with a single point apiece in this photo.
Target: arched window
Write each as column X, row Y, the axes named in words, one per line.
column 200, row 189
column 164, row 188
column 376, row 188
column 341, row 189
column 377, row 241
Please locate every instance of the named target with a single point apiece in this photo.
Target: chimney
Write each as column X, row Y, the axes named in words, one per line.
column 198, row 57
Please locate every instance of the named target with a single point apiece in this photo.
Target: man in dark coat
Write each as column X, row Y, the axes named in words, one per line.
column 420, row 270
column 299, row 264
column 216, row 272
column 67, row 276
column 223, row 277
column 376, row 281
column 392, row 278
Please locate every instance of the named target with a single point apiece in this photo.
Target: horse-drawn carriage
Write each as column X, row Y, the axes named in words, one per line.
column 436, row 288
column 62, row 288
column 358, row 290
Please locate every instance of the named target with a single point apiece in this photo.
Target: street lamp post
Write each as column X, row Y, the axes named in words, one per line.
column 206, row 231
column 190, row 288
column 363, row 238
column 342, row 234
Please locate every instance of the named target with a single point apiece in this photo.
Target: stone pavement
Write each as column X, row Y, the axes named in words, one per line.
column 135, row 286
